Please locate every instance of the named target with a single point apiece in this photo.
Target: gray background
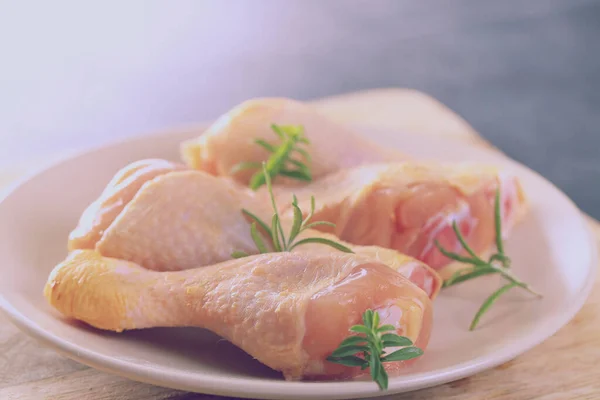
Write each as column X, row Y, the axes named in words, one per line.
column 526, row 74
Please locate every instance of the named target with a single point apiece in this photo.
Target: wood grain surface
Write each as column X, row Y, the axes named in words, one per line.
column 566, row 366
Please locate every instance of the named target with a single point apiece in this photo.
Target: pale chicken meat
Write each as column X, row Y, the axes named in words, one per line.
column 231, row 140
column 287, row 310
column 168, row 218
column 408, row 206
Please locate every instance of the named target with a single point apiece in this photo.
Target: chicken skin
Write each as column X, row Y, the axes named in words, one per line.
column 230, row 140
column 408, row 206
column 373, row 194
column 168, row 218
column 287, row 310
column 118, row 193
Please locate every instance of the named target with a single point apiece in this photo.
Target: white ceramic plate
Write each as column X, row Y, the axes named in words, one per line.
column 552, row 249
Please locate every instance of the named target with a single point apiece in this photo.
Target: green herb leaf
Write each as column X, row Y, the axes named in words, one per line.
column 296, row 174
column 407, row 353
column 239, row 254
column 275, row 233
column 498, row 222
column 455, row 256
column 311, row 212
column 244, row 165
column 280, row 159
column 303, row 153
column 393, row 340
column 349, row 361
column 262, row 225
column 349, row 350
column 297, row 222
column 258, row 240
column 368, row 319
column 353, row 340
column 386, row 328
column 360, row 329
column 463, row 242
column 481, row 267
column 382, row 378
column 462, row 276
column 294, row 131
column 278, row 131
column 375, row 321
column 317, row 223
column 257, row 180
column 265, row 145
column 375, row 364
column 372, row 346
column 324, row 241
column 284, row 244
column 489, row 301
column 300, row 165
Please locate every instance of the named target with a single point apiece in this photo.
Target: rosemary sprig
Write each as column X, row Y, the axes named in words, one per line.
column 498, row 263
column 370, row 342
column 280, row 161
column 278, row 240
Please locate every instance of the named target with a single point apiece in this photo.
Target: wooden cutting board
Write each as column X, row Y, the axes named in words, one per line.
column 566, row 366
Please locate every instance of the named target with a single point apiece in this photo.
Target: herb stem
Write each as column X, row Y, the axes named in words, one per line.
column 498, row 223
column 276, row 213
column 370, row 341
column 280, row 161
column 498, row 263
column 488, row 303
column 511, row 277
column 275, row 233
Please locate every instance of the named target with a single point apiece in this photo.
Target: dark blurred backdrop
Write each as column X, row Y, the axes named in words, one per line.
column 526, row 74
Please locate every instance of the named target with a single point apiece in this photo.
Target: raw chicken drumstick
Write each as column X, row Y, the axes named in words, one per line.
column 287, row 310
column 165, row 217
column 230, row 140
column 408, row 206
column 404, row 207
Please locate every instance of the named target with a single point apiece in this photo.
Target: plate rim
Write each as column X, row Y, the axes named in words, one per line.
column 249, row 387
